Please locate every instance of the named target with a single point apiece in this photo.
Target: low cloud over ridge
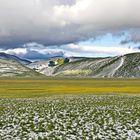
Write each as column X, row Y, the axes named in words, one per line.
column 35, row 51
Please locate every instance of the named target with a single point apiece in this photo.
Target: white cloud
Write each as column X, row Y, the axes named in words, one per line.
column 34, row 51
column 110, row 51
column 16, row 51
column 40, row 48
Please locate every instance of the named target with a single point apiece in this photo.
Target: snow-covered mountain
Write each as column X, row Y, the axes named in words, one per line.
column 126, row 66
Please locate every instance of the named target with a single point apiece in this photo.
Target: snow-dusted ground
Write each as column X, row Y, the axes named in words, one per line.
column 86, row 117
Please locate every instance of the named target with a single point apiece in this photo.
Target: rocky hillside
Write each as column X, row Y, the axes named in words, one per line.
column 12, row 68
column 127, row 66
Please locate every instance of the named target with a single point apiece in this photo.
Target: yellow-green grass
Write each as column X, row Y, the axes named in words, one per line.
column 26, row 88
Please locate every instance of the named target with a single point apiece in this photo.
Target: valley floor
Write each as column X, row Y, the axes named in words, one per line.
column 71, row 109
column 28, row 88
column 87, row 117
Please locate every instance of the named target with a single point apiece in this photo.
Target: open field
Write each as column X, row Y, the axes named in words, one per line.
column 69, row 109
column 16, row 88
column 80, row 117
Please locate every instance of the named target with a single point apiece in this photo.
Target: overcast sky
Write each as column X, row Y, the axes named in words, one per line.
column 43, row 28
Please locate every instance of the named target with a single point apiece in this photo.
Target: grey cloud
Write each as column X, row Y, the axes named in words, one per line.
column 35, row 55
column 125, row 41
column 137, row 47
column 134, row 36
column 58, row 22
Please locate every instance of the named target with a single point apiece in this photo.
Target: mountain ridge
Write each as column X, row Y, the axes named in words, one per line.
column 12, row 66
column 124, row 66
column 6, row 56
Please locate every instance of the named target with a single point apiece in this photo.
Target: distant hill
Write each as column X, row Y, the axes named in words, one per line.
column 126, row 66
column 5, row 56
column 12, row 68
column 42, row 66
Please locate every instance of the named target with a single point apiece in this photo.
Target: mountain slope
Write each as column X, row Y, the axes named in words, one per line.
column 127, row 66
column 12, row 68
column 130, row 67
column 43, row 68
column 5, row 56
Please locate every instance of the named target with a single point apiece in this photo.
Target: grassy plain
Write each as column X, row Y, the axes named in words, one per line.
column 27, row 88
column 91, row 111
